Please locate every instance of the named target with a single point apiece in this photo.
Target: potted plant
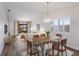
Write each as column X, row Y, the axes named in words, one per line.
column 47, row 32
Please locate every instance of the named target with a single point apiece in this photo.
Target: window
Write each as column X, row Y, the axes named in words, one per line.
column 61, row 25
column 67, row 24
column 55, row 23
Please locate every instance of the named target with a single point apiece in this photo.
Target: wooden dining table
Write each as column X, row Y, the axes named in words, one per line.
column 42, row 41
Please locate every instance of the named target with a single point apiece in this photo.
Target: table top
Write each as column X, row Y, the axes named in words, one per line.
column 42, row 40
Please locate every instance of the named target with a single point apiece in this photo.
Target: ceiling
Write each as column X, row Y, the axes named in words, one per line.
column 36, row 9
column 41, row 6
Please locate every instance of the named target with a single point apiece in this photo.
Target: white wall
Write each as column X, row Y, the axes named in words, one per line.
column 73, row 36
column 3, row 21
column 21, row 12
column 73, row 12
column 40, row 20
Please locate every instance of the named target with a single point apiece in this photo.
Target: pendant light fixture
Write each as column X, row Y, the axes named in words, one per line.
column 47, row 13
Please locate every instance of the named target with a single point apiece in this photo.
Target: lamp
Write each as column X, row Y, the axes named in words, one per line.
column 47, row 19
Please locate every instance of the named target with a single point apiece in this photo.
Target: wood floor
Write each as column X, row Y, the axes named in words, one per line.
column 75, row 52
column 8, row 50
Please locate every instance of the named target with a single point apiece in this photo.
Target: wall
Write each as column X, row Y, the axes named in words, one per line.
column 3, row 21
column 21, row 12
column 73, row 36
column 73, row 12
column 40, row 20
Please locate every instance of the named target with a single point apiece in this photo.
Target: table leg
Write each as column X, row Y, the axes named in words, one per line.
column 42, row 46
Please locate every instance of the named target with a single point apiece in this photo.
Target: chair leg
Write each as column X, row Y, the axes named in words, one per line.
column 38, row 53
column 46, row 54
column 27, row 54
column 34, row 54
column 62, row 53
column 58, row 53
column 66, row 53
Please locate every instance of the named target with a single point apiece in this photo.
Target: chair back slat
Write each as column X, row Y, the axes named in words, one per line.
column 22, row 36
column 63, row 43
column 42, row 35
column 35, row 36
column 55, row 46
column 59, row 35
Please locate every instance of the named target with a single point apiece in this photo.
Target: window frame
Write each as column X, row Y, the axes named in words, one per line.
column 59, row 19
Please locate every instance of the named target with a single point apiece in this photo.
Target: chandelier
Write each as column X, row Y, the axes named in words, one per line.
column 47, row 13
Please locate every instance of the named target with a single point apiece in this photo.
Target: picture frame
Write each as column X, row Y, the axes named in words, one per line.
column 5, row 29
column 38, row 27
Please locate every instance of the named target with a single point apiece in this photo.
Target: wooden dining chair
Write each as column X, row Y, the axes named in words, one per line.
column 31, row 50
column 63, row 46
column 42, row 35
column 23, row 37
column 59, row 35
column 35, row 36
column 54, row 51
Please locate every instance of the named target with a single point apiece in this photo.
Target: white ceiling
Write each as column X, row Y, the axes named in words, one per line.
column 41, row 6
column 35, row 9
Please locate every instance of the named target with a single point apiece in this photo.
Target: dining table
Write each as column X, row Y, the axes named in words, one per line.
column 42, row 41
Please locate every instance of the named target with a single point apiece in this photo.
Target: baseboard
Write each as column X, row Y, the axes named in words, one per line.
column 73, row 49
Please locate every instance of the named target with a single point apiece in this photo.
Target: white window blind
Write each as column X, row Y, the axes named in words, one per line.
column 61, row 24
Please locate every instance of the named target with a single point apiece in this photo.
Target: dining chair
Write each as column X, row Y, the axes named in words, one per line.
column 42, row 35
column 35, row 36
column 59, row 35
column 31, row 50
column 54, row 51
column 23, row 37
column 63, row 46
